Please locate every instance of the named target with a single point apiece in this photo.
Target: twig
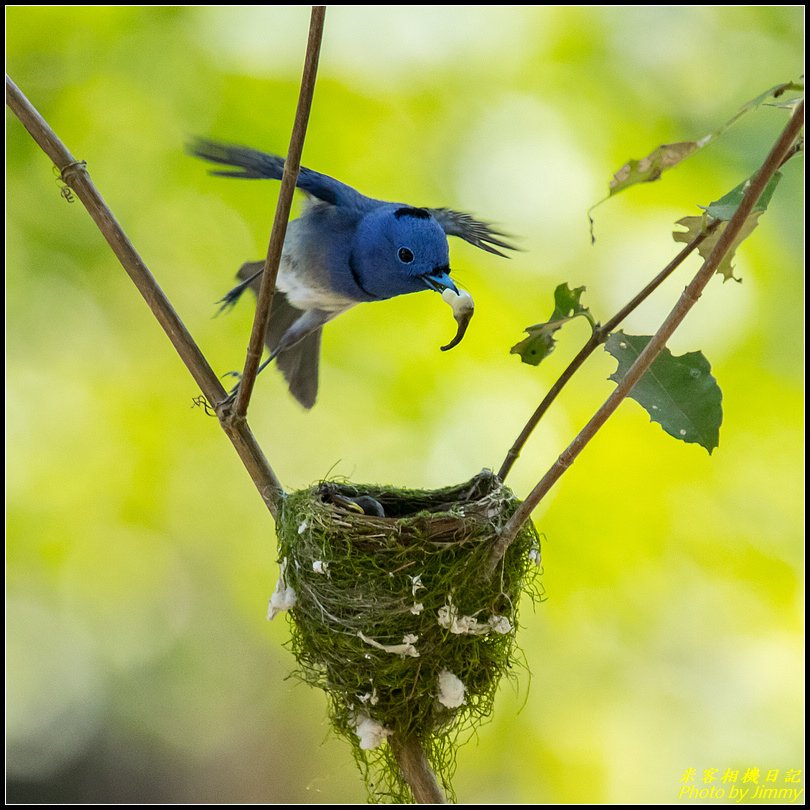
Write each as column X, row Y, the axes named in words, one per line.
column 599, row 335
column 688, row 299
column 602, row 332
column 414, row 766
column 75, row 175
column 289, row 178
column 410, row 756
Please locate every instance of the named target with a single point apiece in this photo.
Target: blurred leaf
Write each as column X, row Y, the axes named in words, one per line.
column 540, row 343
column 651, row 167
column 787, row 104
column 774, row 92
column 723, row 209
column 678, row 392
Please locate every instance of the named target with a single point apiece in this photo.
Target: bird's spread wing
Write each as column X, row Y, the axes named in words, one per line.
column 250, row 163
column 480, row 234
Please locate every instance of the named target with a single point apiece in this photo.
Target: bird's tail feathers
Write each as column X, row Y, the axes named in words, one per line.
column 299, row 365
column 245, row 162
column 249, row 272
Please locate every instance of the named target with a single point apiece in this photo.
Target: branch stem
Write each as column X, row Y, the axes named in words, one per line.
column 689, row 297
column 602, row 332
column 289, row 178
column 599, row 335
column 415, row 769
column 75, row 175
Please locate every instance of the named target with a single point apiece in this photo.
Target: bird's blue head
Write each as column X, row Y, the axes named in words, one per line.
column 399, row 250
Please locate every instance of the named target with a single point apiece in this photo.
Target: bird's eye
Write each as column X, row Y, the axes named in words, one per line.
column 405, row 255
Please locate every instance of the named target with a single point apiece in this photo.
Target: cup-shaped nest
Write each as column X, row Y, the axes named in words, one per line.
column 394, row 613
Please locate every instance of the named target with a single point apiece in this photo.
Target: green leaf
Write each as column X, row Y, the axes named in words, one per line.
column 727, row 205
column 540, row 343
column 723, row 209
column 678, row 392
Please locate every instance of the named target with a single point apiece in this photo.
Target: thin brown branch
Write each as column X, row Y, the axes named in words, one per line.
column 289, row 178
column 599, row 335
column 553, row 392
column 602, row 332
column 75, row 175
column 688, row 299
column 415, row 769
column 410, row 756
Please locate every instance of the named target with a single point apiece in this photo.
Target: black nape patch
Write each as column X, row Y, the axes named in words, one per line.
column 418, row 213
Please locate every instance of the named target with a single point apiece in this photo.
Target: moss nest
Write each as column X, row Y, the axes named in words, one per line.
column 393, row 616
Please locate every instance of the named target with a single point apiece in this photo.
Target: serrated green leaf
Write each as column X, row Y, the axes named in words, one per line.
column 540, row 343
column 696, row 225
column 679, row 393
column 723, row 209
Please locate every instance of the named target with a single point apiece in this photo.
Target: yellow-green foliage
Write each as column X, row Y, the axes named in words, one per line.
column 139, row 558
column 413, row 582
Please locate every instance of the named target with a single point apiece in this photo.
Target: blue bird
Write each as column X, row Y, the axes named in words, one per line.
column 345, row 249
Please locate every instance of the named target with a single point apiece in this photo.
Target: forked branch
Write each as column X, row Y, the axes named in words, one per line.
column 74, row 174
column 780, row 151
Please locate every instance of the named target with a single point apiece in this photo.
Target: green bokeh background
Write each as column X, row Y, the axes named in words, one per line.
column 140, row 666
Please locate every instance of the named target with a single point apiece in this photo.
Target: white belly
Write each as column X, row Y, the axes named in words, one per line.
column 302, row 285
column 303, row 294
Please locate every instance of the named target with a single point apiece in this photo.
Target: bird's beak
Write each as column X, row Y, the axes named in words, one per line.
column 342, row 500
column 439, row 280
